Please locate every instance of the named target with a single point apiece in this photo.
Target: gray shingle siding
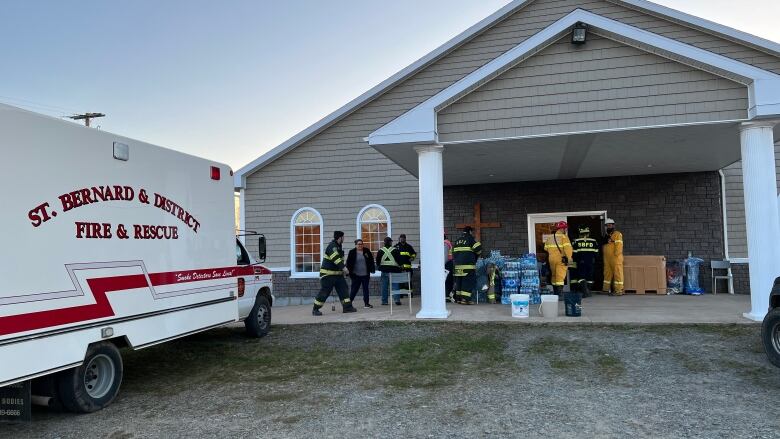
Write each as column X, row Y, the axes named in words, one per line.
column 338, row 174
column 602, row 85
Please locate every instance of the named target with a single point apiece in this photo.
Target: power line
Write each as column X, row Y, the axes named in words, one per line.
column 27, row 102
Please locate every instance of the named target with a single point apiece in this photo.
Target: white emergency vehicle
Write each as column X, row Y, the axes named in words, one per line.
column 108, row 242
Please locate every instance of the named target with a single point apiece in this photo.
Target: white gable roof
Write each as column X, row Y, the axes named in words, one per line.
column 506, row 11
column 418, row 125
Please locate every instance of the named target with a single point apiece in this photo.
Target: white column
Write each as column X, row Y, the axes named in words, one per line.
column 761, row 214
column 431, row 180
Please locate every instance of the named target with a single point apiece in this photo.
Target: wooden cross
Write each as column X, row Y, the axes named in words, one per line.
column 478, row 225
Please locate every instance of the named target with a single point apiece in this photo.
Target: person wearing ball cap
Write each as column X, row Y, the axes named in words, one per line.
column 559, row 253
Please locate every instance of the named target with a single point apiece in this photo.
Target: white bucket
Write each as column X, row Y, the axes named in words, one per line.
column 520, row 304
column 549, row 307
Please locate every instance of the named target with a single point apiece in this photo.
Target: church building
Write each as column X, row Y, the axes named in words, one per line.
column 547, row 110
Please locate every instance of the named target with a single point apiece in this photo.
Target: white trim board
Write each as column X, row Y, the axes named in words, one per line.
column 419, row 125
column 703, row 25
column 510, row 9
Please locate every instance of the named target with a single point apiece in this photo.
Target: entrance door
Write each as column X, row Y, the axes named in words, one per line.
column 542, row 225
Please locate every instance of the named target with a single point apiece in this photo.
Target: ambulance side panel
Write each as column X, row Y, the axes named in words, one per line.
column 148, row 257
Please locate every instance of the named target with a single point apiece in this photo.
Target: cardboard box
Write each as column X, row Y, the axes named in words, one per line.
column 645, row 273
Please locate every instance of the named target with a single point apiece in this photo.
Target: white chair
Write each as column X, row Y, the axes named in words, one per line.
column 721, row 265
column 396, row 280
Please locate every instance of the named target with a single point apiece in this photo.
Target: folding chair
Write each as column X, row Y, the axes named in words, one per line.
column 721, row 265
column 396, row 280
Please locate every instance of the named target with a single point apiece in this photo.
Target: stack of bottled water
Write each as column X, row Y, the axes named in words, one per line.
column 529, row 278
column 511, row 280
column 495, row 258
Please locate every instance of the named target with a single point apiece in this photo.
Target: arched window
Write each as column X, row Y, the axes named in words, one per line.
column 373, row 225
column 306, row 241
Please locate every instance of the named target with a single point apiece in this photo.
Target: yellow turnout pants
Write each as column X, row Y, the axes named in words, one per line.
column 613, row 273
column 558, row 270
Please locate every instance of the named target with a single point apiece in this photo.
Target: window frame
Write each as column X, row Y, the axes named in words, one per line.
column 304, row 274
column 359, row 224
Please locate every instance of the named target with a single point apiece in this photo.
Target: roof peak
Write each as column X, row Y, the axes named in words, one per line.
column 465, row 36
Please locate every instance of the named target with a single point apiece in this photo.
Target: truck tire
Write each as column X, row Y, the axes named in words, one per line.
column 770, row 333
column 94, row 384
column 258, row 323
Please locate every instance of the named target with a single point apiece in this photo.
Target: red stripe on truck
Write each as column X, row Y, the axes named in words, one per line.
column 63, row 316
column 102, row 308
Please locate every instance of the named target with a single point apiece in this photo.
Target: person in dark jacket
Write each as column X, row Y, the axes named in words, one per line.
column 332, row 272
column 360, row 263
column 586, row 249
column 387, row 262
column 407, row 256
column 466, row 250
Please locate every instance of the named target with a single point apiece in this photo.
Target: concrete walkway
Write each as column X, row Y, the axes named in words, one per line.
column 629, row 309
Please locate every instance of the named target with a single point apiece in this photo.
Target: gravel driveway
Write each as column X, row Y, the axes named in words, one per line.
column 391, row 379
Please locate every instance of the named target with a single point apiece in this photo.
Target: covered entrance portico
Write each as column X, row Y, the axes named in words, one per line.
column 693, row 140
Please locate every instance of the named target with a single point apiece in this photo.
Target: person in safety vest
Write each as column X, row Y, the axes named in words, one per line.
column 559, row 254
column 585, row 251
column 387, row 262
column 465, row 252
column 613, row 259
column 332, row 273
column 407, row 256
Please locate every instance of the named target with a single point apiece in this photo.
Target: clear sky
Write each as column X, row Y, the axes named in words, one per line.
column 228, row 80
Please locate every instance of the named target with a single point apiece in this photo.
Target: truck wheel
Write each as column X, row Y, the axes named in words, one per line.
column 258, row 323
column 94, row 384
column 770, row 332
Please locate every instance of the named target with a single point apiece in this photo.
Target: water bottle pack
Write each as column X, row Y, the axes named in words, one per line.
column 511, row 283
column 521, row 277
column 692, row 265
column 529, row 283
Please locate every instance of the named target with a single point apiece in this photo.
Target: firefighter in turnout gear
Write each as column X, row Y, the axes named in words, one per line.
column 407, row 256
column 559, row 254
column 387, row 262
column 332, row 273
column 585, row 251
column 465, row 252
column 613, row 259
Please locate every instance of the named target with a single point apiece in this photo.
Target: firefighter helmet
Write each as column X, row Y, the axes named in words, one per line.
column 560, row 225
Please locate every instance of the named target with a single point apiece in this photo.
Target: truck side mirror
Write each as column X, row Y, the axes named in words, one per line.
column 261, row 248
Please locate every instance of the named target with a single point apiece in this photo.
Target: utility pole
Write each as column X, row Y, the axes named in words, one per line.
column 86, row 117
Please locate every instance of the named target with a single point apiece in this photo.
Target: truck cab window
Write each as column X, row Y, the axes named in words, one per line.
column 242, row 257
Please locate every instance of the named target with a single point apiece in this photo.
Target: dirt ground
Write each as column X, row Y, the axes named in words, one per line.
column 411, row 379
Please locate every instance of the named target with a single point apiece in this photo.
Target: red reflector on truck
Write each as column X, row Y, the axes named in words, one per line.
column 241, row 286
column 214, row 173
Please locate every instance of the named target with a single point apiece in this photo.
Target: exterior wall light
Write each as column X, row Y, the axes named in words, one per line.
column 579, row 34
